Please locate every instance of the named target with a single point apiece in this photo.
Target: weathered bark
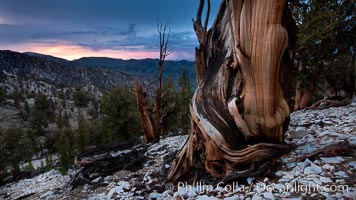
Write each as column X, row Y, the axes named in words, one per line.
column 238, row 109
column 328, row 103
column 307, row 96
column 338, row 149
column 106, row 160
column 298, row 95
column 303, row 99
column 104, row 165
column 149, row 128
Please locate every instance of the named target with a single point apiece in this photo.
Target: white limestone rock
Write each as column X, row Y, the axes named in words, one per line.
column 332, row 160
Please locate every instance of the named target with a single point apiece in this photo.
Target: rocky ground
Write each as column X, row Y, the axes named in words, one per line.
column 307, row 172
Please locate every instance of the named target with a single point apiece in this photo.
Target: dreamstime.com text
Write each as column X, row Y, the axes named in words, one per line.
column 201, row 187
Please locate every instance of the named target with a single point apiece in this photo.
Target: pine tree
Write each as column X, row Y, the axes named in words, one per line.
column 169, row 107
column 2, row 95
column 3, row 160
column 42, row 113
column 81, row 134
column 120, row 115
column 26, row 110
column 94, row 130
column 65, row 146
column 81, row 98
column 26, row 148
column 62, row 97
column 13, row 146
column 33, row 141
column 184, row 97
column 326, row 47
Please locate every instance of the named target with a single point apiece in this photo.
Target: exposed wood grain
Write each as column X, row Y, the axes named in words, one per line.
column 239, row 112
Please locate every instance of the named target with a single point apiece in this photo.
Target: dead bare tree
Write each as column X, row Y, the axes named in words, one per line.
column 152, row 122
column 164, row 51
column 239, row 112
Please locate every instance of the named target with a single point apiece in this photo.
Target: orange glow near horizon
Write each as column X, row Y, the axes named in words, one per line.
column 71, row 52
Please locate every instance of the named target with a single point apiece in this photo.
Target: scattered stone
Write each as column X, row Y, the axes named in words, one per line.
column 350, row 194
column 206, row 197
column 308, row 170
column 297, row 173
column 97, row 180
column 352, row 140
column 47, row 194
column 250, row 180
column 352, row 164
column 338, row 195
column 317, row 162
column 325, row 180
column 232, row 198
column 294, row 180
column 340, row 181
column 342, row 174
column 317, row 181
column 176, row 195
column 324, row 194
column 303, row 182
column 332, row 160
column 280, row 173
column 285, row 160
column 85, row 187
column 310, row 130
column 192, row 194
column 285, row 194
column 291, row 165
column 268, row 196
column 300, row 128
column 308, row 149
column 316, row 168
column 257, row 197
column 328, row 167
column 306, row 163
column 154, row 196
column 313, row 195
column 294, row 198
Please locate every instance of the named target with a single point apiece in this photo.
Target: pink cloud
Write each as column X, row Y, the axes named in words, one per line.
column 71, row 52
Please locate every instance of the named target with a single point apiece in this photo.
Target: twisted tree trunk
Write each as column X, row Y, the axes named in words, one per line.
column 238, row 110
column 148, row 124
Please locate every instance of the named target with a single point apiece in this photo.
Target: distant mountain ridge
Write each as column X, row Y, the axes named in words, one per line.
column 48, row 57
column 145, row 67
column 137, row 67
column 59, row 72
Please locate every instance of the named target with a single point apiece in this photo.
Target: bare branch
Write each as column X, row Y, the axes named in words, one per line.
column 199, row 12
column 164, row 45
column 207, row 17
column 201, row 31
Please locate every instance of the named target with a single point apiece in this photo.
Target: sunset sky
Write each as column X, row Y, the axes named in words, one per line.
column 112, row 28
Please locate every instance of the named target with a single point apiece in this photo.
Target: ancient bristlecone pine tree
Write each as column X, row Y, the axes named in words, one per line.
column 239, row 112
